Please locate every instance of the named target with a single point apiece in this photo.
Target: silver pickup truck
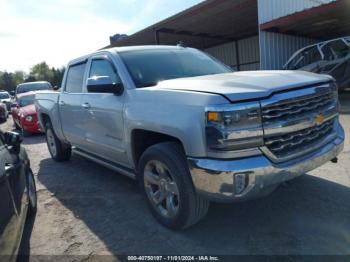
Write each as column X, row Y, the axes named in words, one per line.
column 188, row 129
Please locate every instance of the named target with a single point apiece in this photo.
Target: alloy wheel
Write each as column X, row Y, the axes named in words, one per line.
column 161, row 189
column 51, row 142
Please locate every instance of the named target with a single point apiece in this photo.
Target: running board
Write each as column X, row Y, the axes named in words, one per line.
column 104, row 162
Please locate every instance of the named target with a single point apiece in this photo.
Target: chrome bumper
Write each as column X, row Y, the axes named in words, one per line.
column 215, row 179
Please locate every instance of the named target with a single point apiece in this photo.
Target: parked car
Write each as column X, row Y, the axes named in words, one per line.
column 3, row 112
column 189, row 129
column 6, row 99
column 18, row 198
column 32, row 86
column 329, row 57
column 24, row 114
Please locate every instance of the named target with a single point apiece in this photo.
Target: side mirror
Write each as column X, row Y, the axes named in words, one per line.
column 55, row 88
column 14, row 140
column 104, row 84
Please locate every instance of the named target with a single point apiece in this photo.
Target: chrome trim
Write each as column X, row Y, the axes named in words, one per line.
column 235, row 153
column 293, row 95
column 294, row 111
column 304, row 104
column 325, row 140
column 214, row 179
column 306, row 121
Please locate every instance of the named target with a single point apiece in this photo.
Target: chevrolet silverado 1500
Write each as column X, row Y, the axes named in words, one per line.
column 189, row 129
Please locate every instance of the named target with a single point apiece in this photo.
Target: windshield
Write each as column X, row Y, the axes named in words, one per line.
column 32, row 87
column 4, row 96
column 148, row 67
column 26, row 100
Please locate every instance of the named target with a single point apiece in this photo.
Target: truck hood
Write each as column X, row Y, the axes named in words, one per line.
column 246, row 85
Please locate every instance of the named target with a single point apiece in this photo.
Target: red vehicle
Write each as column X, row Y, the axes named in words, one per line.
column 24, row 114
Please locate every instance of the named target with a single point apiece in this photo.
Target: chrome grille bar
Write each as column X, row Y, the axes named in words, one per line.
column 304, row 137
column 295, row 108
column 289, row 121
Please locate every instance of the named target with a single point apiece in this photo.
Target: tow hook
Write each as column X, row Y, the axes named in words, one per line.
column 334, row 160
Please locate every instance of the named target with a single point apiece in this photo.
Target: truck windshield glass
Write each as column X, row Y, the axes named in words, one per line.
column 32, row 87
column 4, row 96
column 26, row 101
column 148, row 67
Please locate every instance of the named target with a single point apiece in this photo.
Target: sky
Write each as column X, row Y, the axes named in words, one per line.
column 56, row 31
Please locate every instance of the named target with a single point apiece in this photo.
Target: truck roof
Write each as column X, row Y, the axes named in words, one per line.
column 114, row 50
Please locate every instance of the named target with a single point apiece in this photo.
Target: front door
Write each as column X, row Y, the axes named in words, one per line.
column 10, row 222
column 104, row 127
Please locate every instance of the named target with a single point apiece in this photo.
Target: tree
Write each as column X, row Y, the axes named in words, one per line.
column 7, row 81
column 41, row 72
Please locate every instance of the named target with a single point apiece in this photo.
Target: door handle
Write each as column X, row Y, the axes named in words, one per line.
column 62, row 103
column 86, row 105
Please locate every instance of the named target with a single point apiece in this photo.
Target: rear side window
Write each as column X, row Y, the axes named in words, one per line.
column 75, row 78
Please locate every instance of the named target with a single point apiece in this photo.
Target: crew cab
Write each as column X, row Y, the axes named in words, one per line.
column 188, row 129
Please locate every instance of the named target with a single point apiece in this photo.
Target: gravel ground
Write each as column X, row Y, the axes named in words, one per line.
column 87, row 210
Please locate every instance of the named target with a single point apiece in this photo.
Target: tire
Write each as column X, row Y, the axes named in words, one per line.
column 32, row 195
column 172, row 188
column 59, row 151
column 25, row 133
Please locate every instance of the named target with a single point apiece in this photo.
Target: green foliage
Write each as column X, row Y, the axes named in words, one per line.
column 39, row 72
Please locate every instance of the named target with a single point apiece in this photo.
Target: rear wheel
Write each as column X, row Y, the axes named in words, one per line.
column 167, row 185
column 59, row 151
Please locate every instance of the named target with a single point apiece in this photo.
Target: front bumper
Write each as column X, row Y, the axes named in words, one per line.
column 214, row 179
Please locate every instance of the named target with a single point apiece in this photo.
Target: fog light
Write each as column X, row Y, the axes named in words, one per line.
column 241, row 182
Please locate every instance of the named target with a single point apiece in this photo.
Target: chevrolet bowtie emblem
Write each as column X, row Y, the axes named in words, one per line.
column 319, row 119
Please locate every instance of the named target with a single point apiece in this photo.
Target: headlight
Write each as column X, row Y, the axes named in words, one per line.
column 29, row 118
column 232, row 128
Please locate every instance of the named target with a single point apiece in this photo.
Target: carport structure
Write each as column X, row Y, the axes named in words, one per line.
column 206, row 25
column 322, row 22
column 249, row 34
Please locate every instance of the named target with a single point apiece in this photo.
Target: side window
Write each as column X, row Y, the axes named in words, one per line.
column 75, row 78
column 102, row 67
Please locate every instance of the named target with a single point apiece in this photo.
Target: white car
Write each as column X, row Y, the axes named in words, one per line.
column 6, row 99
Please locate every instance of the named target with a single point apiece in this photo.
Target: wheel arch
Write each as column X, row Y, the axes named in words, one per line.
column 142, row 139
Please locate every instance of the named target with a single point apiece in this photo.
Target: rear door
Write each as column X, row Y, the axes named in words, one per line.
column 71, row 112
column 104, row 129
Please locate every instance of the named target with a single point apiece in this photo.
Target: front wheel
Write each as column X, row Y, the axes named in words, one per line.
column 32, row 196
column 58, row 150
column 168, row 188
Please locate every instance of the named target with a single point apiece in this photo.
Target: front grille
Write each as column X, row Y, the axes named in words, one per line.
column 295, row 142
column 289, row 109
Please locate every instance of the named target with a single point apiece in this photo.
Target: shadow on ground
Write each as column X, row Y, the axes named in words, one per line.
column 309, row 215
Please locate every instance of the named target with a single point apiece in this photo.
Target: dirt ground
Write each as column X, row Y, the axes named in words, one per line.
column 87, row 210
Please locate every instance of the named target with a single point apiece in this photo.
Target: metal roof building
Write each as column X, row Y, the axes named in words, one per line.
column 249, row 34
